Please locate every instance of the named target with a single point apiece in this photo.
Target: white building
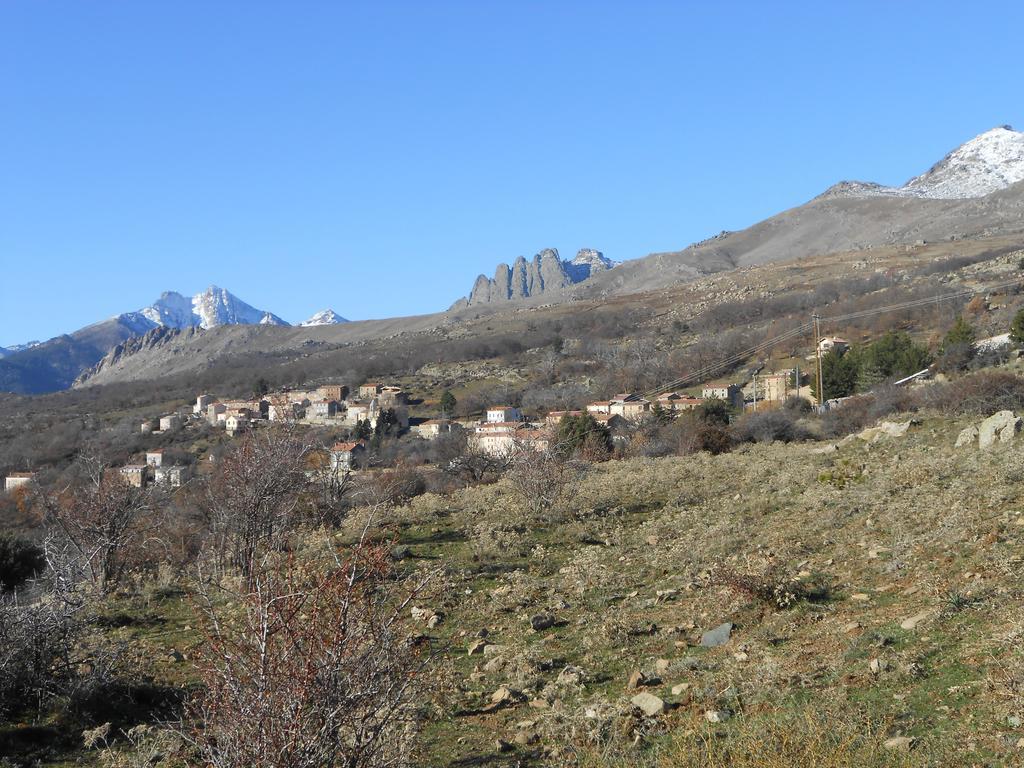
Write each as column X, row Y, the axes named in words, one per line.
column 500, row 414
column 17, row 480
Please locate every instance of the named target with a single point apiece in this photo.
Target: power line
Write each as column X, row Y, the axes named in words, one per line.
column 707, row 371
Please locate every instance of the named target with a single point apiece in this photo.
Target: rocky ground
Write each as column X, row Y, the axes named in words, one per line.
column 803, row 604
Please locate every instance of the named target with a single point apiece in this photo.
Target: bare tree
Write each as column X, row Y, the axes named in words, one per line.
column 542, row 479
column 101, row 517
column 251, row 500
column 308, row 670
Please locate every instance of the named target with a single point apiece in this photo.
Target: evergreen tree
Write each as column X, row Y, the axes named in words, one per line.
column 1017, row 328
column 840, row 373
column 448, row 403
column 575, row 432
column 961, row 333
column 362, row 430
column 714, row 411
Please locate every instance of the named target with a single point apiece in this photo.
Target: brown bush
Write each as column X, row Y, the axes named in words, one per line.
column 304, row 670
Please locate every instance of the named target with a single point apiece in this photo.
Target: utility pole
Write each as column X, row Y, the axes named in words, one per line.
column 817, row 351
column 755, row 393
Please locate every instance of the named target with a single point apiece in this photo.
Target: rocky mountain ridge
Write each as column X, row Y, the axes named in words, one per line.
column 546, row 273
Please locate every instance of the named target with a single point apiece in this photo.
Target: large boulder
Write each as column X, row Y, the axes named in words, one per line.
column 1002, row 427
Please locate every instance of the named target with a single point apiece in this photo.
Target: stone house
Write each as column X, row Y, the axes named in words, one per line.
column 434, row 428
column 346, row 456
column 146, row 427
column 829, row 343
column 601, row 406
column 629, row 409
column 358, row 411
column 170, row 476
column 392, row 396
column 17, row 480
column 613, row 423
column 674, row 401
column 369, row 390
column 323, row 409
column 214, row 412
column 775, row 387
column 333, row 392
column 155, row 458
column 554, row 418
column 731, row 394
column 134, row 474
column 202, row 403
column 170, row 423
column 502, row 414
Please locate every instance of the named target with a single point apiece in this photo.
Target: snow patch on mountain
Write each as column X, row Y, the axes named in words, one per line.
column 15, row 348
column 324, row 317
column 989, row 162
column 214, row 306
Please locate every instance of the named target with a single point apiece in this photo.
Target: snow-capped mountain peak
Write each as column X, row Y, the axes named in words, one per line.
column 989, row 162
column 214, row 306
column 324, row 317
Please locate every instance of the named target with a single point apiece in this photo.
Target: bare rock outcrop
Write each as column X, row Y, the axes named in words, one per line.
column 546, row 273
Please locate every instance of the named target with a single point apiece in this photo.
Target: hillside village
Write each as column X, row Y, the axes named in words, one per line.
column 501, row 430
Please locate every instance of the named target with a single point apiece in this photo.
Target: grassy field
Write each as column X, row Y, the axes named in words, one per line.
column 903, row 557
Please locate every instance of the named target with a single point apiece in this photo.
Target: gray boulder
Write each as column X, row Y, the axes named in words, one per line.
column 717, row 636
column 1002, row 427
column 648, row 703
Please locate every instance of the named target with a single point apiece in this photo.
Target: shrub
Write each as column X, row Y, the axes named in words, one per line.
column 770, row 426
column 304, row 670
column 35, row 650
column 770, row 588
column 981, row 393
column 712, row 438
column 20, row 560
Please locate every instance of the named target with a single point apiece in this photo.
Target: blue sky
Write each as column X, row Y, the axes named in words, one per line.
column 375, row 157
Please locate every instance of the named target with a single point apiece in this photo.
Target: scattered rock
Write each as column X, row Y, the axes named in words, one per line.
column 913, row 621
column 860, row 597
column 426, row 616
column 649, row 704
column 680, row 689
column 503, row 746
column 661, row 666
column 493, row 650
column 717, row 636
column 477, row 647
column 504, row 695
column 900, row 743
column 853, row 626
column 877, row 666
column 716, row 715
column 967, row 437
column 176, row 656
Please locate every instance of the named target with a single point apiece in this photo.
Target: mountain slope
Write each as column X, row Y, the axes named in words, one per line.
column 57, row 363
